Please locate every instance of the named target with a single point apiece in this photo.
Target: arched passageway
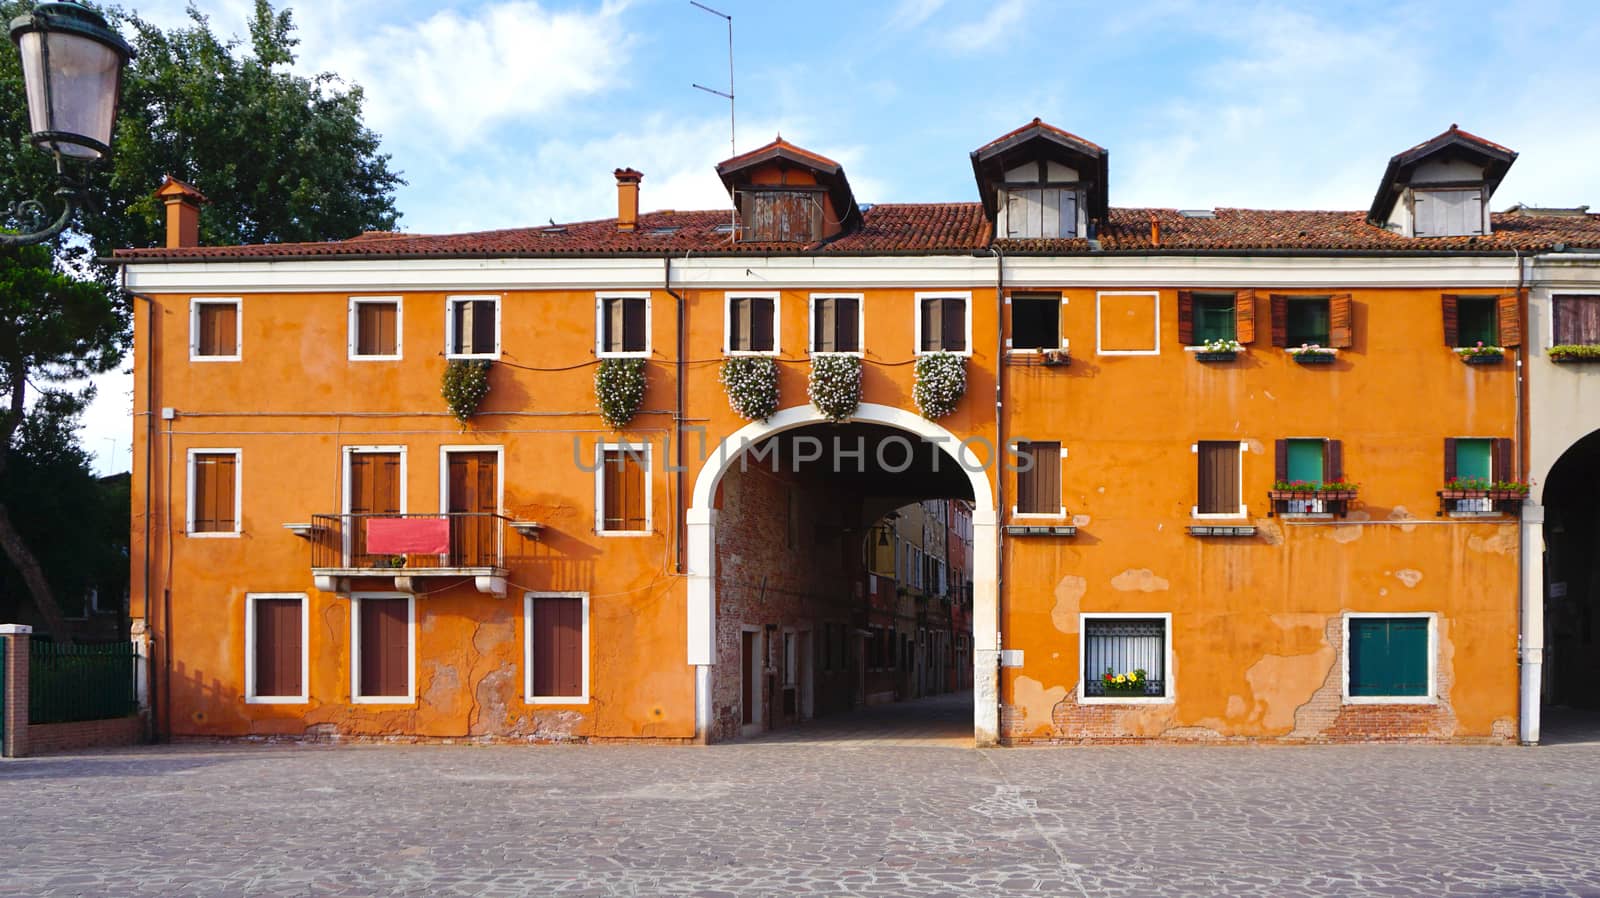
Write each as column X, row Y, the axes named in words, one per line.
column 1571, row 674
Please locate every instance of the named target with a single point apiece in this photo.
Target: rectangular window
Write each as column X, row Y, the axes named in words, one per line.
column 1036, row 321
column 1474, row 459
column 1219, row 476
column 1478, row 321
column 556, row 639
column 1577, row 320
column 624, row 486
column 781, row 216
column 942, row 324
column 1214, row 317
column 1448, row 213
column 1040, row 212
column 1475, row 463
column 1308, row 321
column 472, row 327
column 375, row 329
column 1039, row 487
column 276, row 657
column 1305, row 460
column 836, row 324
column 624, row 326
column 214, row 330
column 214, row 486
column 1133, row 647
column 1389, row 659
column 375, row 486
column 382, row 666
column 752, row 325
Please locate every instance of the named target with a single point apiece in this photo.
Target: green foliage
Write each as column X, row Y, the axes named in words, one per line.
column 1573, row 352
column 1481, row 484
column 282, row 157
column 835, row 385
column 466, row 383
column 752, row 385
column 941, row 382
column 619, row 390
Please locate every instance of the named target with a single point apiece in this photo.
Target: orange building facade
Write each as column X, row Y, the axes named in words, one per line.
column 321, row 549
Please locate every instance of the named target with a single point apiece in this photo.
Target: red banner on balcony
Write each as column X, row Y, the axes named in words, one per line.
column 408, row 536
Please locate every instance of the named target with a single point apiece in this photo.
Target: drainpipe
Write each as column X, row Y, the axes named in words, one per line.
column 1000, row 471
column 149, row 459
column 1530, row 642
column 677, row 420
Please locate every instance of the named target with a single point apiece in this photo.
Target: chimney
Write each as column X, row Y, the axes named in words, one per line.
column 628, row 199
column 1155, row 230
column 183, row 211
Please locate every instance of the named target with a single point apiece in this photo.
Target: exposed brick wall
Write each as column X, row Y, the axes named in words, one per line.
column 44, row 738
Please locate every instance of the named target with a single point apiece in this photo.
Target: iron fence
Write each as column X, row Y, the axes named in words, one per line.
column 80, row 682
column 475, row 540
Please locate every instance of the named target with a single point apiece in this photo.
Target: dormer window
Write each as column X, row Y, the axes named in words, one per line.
column 1441, row 187
column 1447, row 212
column 1041, row 183
column 785, row 194
column 1039, row 200
column 781, row 216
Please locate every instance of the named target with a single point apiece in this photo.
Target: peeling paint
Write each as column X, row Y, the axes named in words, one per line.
column 1409, row 577
column 1401, row 513
column 1503, row 542
column 1281, row 684
column 1256, row 446
column 1138, row 579
column 1080, row 520
column 1349, row 533
column 1269, row 531
column 1069, row 598
column 1034, row 699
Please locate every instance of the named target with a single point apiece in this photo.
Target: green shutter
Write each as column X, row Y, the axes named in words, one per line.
column 1305, row 460
column 1388, row 656
column 1474, row 459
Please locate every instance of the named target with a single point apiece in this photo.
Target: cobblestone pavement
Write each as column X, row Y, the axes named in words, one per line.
column 829, row 816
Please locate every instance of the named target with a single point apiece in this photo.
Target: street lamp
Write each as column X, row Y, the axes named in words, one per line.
column 72, row 64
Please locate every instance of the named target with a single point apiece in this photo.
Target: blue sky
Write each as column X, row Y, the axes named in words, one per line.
column 503, row 114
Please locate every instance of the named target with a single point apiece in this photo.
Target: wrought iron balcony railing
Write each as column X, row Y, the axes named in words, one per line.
column 407, row 543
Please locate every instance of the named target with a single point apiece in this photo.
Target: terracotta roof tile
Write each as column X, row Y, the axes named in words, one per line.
column 1037, row 123
column 935, row 228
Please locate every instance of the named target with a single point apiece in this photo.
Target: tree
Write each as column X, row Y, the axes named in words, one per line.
column 283, row 157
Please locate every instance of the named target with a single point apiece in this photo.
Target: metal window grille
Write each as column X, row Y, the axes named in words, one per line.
column 1123, row 645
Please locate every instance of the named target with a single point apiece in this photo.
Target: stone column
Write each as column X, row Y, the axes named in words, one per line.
column 986, row 626
column 17, row 638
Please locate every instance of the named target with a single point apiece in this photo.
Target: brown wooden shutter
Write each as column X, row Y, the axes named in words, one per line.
column 385, row 648
column 1039, row 488
column 932, row 318
column 1219, row 477
column 278, row 648
column 1449, row 459
column 1450, row 312
column 633, row 325
column 612, row 514
column 847, row 314
column 611, row 325
column 1244, row 316
column 739, row 325
column 1341, row 331
column 214, row 479
column 761, row 324
column 1333, row 461
column 483, row 326
column 823, row 328
column 557, row 646
column 1280, row 319
column 1280, row 460
column 953, row 316
column 1510, row 320
column 624, row 490
column 459, row 321
column 1185, row 317
column 227, row 328
column 1502, row 449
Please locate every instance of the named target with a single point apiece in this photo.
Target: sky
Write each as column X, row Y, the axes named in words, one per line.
column 507, row 113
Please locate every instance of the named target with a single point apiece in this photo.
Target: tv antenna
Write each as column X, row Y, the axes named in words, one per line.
column 728, row 95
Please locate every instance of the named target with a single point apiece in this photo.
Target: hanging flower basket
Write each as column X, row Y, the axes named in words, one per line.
column 752, row 386
column 619, row 390
column 835, row 385
column 941, row 382
column 465, row 384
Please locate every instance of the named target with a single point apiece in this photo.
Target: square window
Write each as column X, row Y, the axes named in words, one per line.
column 382, row 665
column 624, row 326
column 473, row 327
column 557, row 645
column 1389, row 658
column 375, row 329
column 1036, row 322
column 1306, row 460
column 1475, row 459
column 624, row 489
column 214, row 482
column 752, row 324
column 1214, row 317
column 1308, row 321
column 942, row 324
column 1219, row 479
column 1577, row 320
column 276, row 661
column 836, row 324
column 1477, row 321
column 214, row 330
column 1133, row 648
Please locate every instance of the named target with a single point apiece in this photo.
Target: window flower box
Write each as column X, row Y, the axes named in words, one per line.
column 1293, row 497
column 1482, row 354
column 1573, row 352
column 1312, row 354
column 1218, row 350
column 1475, row 496
column 1129, row 685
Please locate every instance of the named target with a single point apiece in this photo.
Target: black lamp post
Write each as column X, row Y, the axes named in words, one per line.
column 72, row 64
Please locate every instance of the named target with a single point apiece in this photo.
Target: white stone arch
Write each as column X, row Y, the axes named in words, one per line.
column 701, row 521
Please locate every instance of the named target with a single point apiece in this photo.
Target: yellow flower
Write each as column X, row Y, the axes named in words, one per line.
column 1121, row 678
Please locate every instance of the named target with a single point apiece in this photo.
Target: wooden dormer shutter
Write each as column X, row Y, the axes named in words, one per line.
column 1280, row 320
column 1244, row 316
column 1510, row 320
column 1450, row 312
column 1341, row 332
column 1185, row 318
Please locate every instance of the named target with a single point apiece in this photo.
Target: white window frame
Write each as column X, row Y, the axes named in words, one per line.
column 1550, row 315
column 646, row 449
column 1168, row 675
column 1322, row 504
column 238, row 327
column 1099, row 318
column 727, row 322
column 1062, row 342
column 916, row 332
column 250, row 696
column 861, row 324
column 499, row 487
column 1061, row 481
column 527, row 650
column 1244, row 507
column 238, row 495
column 1432, row 698
column 354, row 339
column 600, row 325
column 410, row 698
column 450, row 324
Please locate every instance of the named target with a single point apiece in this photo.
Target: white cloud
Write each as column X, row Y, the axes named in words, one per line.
column 911, row 13
column 985, row 33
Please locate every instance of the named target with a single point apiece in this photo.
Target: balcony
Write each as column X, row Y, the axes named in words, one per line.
column 407, row 549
